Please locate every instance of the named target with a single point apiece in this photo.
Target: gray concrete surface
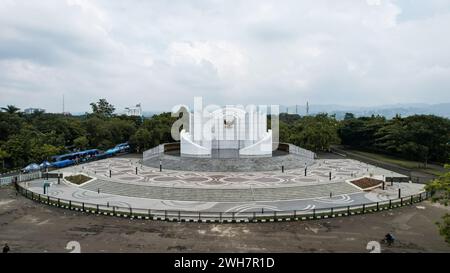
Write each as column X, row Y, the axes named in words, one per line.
column 30, row 227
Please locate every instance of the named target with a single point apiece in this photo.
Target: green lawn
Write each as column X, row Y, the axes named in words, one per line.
column 78, row 179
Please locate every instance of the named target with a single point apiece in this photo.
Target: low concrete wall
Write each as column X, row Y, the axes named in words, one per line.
column 301, row 152
column 189, row 148
column 153, row 152
column 260, row 148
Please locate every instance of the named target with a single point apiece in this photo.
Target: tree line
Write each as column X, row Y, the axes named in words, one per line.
column 419, row 137
column 26, row 138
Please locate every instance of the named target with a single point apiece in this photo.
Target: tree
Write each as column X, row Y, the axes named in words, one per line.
column 10, row 124
column 103, row 108
column 320, row 133
column 360, row 132
column 11, row 109
column 43, row 152
column 141, row 140
column 3, row 155
column 81, row 142
column 284, row 132
column 97, row 133
column 349, row 116
column 120, row 130
column 419, row 137
column 159, row 127
column 440, row 192
column 316, row 133
column 67, row 128
column 19, row 146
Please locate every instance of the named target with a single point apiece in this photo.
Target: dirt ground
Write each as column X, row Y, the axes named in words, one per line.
column 31, row 227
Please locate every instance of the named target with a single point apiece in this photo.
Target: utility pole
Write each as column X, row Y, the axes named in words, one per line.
column 307, row 108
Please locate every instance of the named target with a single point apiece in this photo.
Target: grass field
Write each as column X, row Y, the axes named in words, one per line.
column 409, row 164
column 78, row 179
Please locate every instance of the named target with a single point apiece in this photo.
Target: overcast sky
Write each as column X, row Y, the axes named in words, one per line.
column 162, row 53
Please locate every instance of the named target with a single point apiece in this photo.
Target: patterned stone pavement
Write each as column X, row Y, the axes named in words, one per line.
column 123, row 170
column 77, row 194
column 224, row 192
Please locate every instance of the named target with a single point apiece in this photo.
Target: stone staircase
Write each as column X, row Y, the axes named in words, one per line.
column 289, row 161
column 220, row 195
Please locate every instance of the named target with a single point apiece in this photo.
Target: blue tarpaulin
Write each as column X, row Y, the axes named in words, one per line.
column 63, row 163
column 32, row 167
column 76, row 154
column 45, row 164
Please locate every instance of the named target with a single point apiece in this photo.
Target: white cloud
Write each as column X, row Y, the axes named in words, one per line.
column 162, row 53
column 226, row 58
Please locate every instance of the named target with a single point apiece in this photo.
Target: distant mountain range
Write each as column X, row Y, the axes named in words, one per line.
column 389, row 111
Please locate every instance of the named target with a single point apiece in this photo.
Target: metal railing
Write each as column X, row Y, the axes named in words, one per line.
column 207, row 216
column 11, row 172
column 9, row 177
column 20, row 178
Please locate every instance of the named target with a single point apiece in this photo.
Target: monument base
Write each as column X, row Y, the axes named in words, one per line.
column 221, row 163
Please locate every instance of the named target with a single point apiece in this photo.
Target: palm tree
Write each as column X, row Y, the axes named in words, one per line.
column 11, row 109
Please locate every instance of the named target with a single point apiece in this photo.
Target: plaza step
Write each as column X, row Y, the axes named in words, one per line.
column 219, row 195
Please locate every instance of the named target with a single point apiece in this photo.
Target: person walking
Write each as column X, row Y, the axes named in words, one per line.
column 6, row 248
column 389, row 239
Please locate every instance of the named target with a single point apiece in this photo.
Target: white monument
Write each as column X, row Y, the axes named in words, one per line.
column 227, row 129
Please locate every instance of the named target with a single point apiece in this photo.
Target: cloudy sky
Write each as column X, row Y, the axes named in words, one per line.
column 162, row 53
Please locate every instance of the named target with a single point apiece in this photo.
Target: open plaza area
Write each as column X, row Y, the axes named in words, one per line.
column 123, row 185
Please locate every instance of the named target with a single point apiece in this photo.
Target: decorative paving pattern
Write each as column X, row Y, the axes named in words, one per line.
column 338, row 200
column 216, row 192
column 124, row 171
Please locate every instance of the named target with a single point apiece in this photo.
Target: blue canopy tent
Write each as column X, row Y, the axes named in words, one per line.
column 76, row 155
column 31, row 168
column 62, row 163
column 89, row 152
column 112, row 151
column 122, row 147
column 45, row 164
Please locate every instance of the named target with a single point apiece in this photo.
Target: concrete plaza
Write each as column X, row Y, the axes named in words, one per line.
column 237, row 192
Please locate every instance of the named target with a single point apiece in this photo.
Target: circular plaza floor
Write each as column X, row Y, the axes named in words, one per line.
column 227, row 192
